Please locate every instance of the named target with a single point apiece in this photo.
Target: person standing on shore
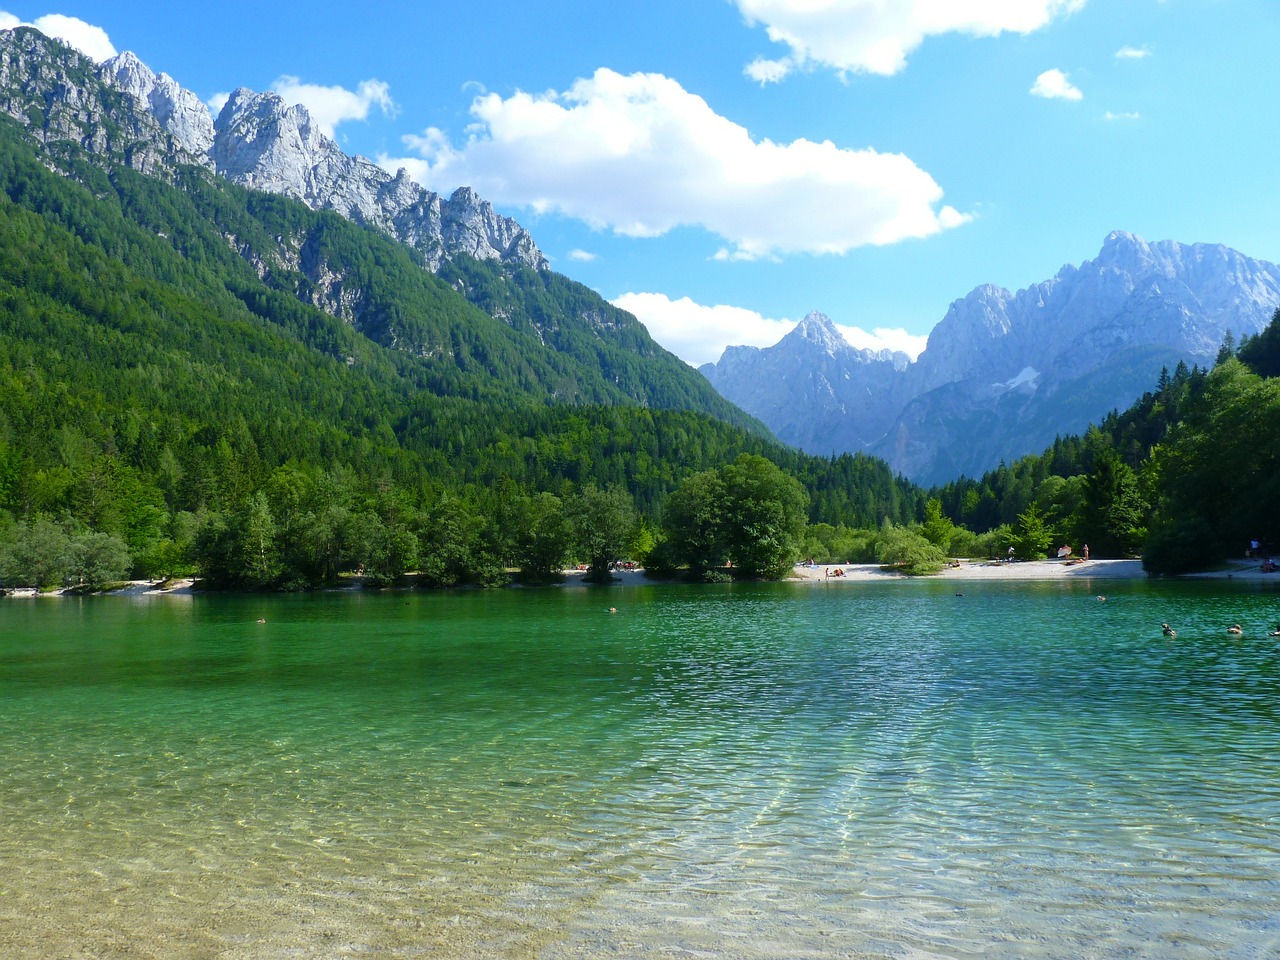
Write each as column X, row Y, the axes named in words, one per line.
column 1085, row 551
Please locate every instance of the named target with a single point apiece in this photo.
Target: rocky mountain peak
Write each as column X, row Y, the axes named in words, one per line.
column 265, row 144
column 258, row 140
column 1005, row 372
column 55, row 93
column 179, row 111
column 819, row 330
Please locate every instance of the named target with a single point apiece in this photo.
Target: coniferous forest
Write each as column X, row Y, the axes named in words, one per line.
column 180, row 395
column 172, row 402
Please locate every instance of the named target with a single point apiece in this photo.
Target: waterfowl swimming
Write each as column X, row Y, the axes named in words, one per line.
column 1168, row 630
column 1236, row 629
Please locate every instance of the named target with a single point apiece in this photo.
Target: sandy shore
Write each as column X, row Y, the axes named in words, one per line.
column 982, row 570
column 967, row 570
column 1030, row 570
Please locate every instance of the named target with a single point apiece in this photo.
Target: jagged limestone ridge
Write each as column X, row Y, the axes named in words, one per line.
column 124, row 110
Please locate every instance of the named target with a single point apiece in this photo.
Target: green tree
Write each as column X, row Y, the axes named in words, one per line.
column 907, row 550
column 256, row 553
column 1031, row 537
column 36, row 554
column 385, row 550
column 450, row 543
column 1113, row 512
column 602, row 521
column 545, row 538
column 937, row 529
column 694, row 523
column 1218, row 475
column 98, row 559
column 765, row 514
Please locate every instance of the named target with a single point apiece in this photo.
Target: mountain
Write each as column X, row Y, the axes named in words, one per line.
column 813, row 388
column 544, row 337
column 257, row 141
column 1004, row 373
column 174, row 344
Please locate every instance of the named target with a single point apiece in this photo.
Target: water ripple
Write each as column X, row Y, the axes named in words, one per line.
column 728, row 772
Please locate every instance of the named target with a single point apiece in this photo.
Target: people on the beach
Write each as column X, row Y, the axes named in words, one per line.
column 1085, row 551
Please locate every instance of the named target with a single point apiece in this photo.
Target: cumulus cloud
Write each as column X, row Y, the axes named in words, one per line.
column 330, row 106
column 582, row 256
column 217, row 102
column 873, row 36
column 642, row 156
column 886, row 338
column 92, row 41
column 1054, row 85
column 1133, row 53
column 698, row 333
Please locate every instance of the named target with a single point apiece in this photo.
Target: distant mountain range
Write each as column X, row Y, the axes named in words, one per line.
column 1004, row 373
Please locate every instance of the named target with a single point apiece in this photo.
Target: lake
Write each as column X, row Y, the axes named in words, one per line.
column 766, row 771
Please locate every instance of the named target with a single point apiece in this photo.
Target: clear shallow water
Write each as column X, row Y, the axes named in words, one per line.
column 760, row 772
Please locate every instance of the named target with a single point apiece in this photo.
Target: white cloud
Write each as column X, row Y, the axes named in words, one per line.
column 330, row 106
column 767, row 71
column 642, row 156
column 1054, row 85
column 583, row 256
column 875, row 36
column 698, row 334
column 217, row 102
column 92, row 41
column 885, row 338
column 1134, row 115
column 1133, row 53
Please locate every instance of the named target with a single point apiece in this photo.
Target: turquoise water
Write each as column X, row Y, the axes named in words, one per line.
column 784, row 771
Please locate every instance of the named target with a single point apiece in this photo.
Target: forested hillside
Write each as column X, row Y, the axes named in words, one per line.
column 1186, row 477
column 168, row 383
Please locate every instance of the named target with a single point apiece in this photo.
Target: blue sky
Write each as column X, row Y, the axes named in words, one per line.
column 722, row 167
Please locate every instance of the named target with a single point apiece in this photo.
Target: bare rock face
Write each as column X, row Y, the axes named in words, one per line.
column 813, row 389
column 1004, row 373
column 471, row 225
column 264, row 144
column 54, row 92
column 124, row 109
column 180, row 112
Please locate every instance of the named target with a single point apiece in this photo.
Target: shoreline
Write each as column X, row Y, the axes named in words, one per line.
column 971, row 570
column 1026, row 570
column 964, row 571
